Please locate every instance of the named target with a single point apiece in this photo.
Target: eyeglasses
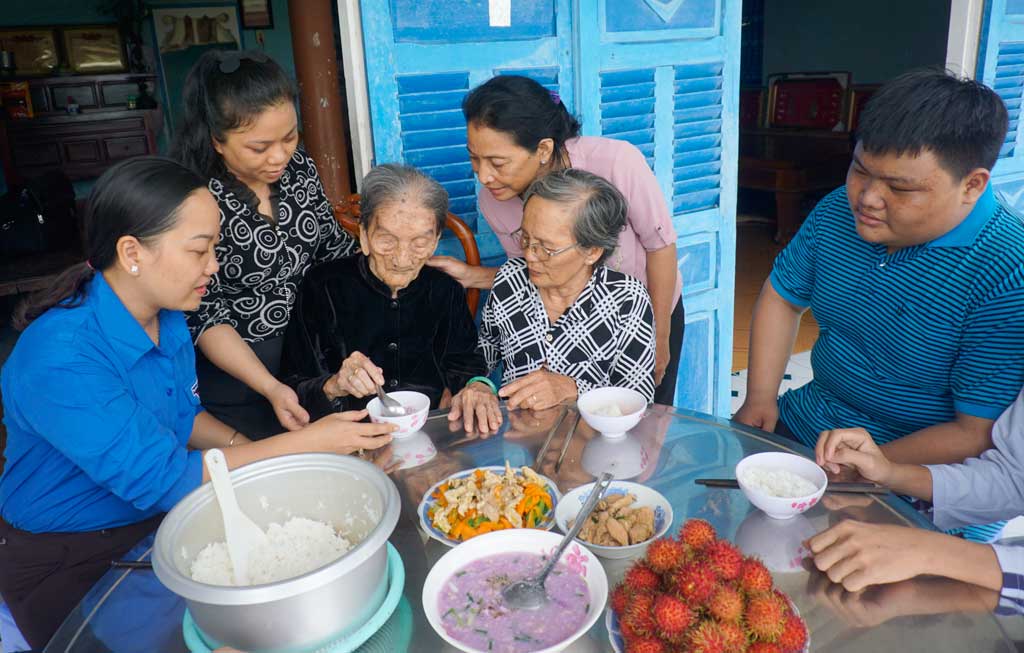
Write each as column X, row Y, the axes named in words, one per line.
column 542, row 253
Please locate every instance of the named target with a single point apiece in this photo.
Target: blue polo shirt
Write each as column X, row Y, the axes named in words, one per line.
column 907, row 339
column 97, row 418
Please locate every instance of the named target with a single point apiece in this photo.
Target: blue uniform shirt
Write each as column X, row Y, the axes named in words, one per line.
column 98, row 418
column 907, row 339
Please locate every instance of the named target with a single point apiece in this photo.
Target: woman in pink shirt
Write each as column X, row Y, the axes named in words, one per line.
column 517, row 132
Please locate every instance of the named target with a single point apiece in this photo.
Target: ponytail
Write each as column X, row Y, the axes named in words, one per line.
column 68, row 290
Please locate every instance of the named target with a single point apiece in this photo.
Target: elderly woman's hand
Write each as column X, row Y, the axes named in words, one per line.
column 538, row 390
column 357, row 377
column 478, row 408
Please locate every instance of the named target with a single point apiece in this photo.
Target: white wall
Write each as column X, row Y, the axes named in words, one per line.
column 873, row 39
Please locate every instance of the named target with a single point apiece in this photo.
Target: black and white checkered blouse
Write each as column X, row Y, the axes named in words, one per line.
column 606, row 338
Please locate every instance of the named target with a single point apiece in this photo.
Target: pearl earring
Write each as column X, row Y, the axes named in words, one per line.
column 135, row 269
column 543, row 161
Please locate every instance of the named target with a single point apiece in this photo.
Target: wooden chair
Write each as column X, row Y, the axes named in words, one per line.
column 347, row 213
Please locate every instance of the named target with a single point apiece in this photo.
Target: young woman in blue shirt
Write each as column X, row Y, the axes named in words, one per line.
column 104, row 421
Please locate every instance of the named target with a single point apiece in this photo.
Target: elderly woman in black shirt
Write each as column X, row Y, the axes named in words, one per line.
column 383, row 318
column 560, row 321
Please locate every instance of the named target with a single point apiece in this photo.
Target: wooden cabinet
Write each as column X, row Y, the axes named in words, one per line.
column 82, row 145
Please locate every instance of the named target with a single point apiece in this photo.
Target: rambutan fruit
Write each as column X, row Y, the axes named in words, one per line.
column 641, row 578
column 726, row 604
column 735, row 639
column 672, row 615
column 697, row 534
column 794, row 635
column 754, row 577
column 696, row 583
column 725, row 559
column 666, row 554
column 619, row 599
column 765, row 617
column 646, row 645
column 707, row 637
column 764, row 647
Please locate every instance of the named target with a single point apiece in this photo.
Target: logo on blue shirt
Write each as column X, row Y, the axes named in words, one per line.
column 195, row 389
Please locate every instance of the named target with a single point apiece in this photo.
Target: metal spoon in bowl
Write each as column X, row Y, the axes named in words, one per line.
column 389, row 406
column 241, row 533
column 529, row 594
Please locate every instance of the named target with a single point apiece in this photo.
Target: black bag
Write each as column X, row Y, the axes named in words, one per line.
column 38, row 217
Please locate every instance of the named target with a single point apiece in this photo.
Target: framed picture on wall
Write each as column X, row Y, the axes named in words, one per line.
column 94, row 49
column 35, row 50
column 182, row 35
column 256, row 14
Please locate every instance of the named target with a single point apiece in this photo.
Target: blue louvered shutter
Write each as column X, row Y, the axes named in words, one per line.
column 422, row 56
column 1001, row 66
column 664, row 75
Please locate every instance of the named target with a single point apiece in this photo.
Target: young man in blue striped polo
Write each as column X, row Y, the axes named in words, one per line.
column 915, row 274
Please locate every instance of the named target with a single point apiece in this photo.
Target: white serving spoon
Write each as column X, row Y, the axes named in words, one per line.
column 242, row 534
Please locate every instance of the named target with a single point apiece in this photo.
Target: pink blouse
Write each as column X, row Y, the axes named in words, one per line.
column 648, row 225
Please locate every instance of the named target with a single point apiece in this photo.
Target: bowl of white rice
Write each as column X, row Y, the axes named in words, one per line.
column 611, row 411
column 322, row 572
column 783, row 485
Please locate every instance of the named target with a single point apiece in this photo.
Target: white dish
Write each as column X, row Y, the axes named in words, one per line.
column 407, row 424
column 517, row 540
column 428, row 502
column 570, row 505
column 782, row 507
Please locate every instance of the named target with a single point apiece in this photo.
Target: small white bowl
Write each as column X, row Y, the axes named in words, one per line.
column 782, row 507
column 407, row 424
column 630, row 402
column 515, row 541
column 570, row 505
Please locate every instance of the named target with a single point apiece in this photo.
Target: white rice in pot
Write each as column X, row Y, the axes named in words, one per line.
column 778, row 482
column 297, row 547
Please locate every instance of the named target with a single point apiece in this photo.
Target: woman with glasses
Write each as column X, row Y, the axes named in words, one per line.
column 240, row 132
column 383, row 319
column 560, row 320
column 518, row 132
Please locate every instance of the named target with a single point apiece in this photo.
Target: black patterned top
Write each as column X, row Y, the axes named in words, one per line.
column 261, row 263
column 606, row 338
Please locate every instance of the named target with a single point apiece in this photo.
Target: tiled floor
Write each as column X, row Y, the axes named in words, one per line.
column 755, row 252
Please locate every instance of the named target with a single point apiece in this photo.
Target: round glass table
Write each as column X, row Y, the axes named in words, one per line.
column 129, row 611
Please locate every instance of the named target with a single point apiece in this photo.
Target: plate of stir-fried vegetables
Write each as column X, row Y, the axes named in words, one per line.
column 486, row 499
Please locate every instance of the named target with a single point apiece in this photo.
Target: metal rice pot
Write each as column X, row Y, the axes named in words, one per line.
column 300, row 613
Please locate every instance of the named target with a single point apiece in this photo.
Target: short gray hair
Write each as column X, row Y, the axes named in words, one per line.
column 601, row 209
column 391, row 183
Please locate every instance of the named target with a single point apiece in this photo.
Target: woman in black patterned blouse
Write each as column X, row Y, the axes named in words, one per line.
column 240, row 130
column 560, row 321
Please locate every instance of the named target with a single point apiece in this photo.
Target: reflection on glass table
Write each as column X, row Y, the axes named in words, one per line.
column 129, row 611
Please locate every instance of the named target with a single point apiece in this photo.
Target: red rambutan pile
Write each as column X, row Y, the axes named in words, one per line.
column 700, row 594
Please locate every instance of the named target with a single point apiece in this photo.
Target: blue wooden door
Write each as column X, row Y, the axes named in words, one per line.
column 1001, row 66
column 662, row 74
column 422, row 56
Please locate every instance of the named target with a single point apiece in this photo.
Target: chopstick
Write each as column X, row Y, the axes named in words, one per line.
column 845, row 488
column 131, row 564
column 565, row 445
column 547, row 441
